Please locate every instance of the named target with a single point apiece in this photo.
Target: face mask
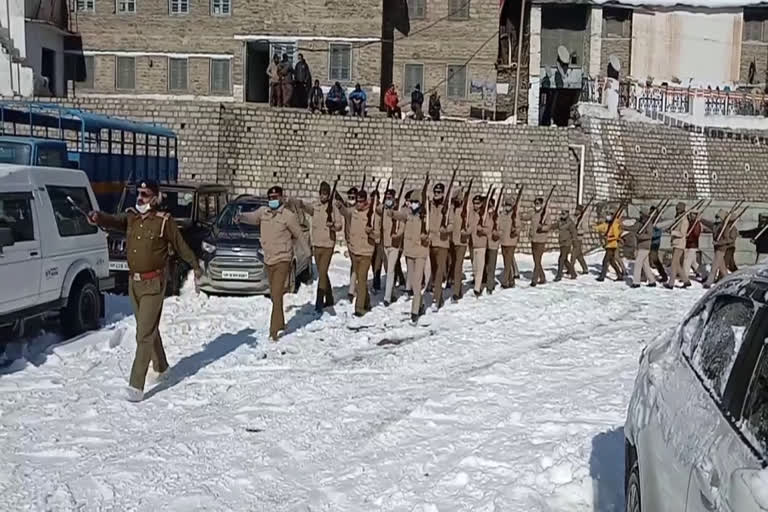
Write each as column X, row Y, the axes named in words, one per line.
column 274, row 204
column 537, row 208
column 352, row 201
column 415, row 207
column 389, row 203
column 143, row 208
column 508, row 209
column 438, row 200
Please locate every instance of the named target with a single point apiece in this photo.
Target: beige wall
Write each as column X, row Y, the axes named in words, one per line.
column 699, row 45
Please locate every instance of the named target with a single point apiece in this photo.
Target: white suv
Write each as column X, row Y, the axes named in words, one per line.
column 697, row 426
column 51, row 258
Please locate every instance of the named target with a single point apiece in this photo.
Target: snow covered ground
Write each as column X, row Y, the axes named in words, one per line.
column 513, row 402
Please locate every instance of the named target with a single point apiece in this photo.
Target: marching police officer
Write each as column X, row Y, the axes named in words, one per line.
column 150, row 235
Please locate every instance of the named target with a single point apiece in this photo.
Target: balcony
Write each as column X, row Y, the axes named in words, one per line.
column 51, row 12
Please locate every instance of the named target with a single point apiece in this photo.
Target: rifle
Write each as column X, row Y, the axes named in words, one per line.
column 726, row 219
column 362, row 187
column 424, row 206
column 515, row 209
column 654, row 216
column 738, row 217
column 386, row 189
column 615, row 216
column 685, row 214
column 465, row 204
column 546, row 203
column 371, row 205
column 699, row 213
column 393, row 232
column 485, row 205
column 584, row 211
column 496, row 209
column 329, row 208
column 447, row 200
column 761, row 233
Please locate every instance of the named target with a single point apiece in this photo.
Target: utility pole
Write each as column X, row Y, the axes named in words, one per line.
column 520, row 31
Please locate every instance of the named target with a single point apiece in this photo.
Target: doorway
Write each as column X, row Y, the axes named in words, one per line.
column 256, row 79
column 48, row 68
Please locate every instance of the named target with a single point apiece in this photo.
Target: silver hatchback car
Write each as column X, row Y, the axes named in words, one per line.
column 233, row 260
column 697, row 426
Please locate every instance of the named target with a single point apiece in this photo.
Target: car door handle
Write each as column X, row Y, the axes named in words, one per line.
column 34, row 253
column 706, row 502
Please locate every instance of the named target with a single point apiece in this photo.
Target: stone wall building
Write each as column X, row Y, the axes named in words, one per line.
column 219, row 49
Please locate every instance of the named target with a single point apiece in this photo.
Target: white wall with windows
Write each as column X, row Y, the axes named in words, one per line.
column 45, row 55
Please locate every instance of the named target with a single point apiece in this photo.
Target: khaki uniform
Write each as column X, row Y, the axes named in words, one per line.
column 416, row 254
column 566, row 234
column 730, row 252
column 492, row 253
column 642, row 258
column 361, row 248
column 679, row 236
column 279, row 228
column 479, row 239
column 149, row 239
column 391, row 251
column 577, row 256
column 539, row 233
column 721, row 243
column 459, row 244
column 323, row 243
column 510, row 236
column 440, row 244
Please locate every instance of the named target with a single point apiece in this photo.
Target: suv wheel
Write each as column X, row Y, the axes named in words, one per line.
column 633, row 490
column 83, row 309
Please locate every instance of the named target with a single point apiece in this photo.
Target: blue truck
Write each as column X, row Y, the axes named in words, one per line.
column 111, row 151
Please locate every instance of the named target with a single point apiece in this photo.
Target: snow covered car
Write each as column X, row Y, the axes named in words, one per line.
column 697, row 426
column 232, row 258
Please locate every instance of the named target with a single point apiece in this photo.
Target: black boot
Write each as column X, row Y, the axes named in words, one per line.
column 414, row 318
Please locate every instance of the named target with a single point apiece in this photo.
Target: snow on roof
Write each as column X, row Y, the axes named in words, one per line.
column 667, row 4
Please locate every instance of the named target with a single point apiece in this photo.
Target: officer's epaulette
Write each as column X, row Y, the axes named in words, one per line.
column 131, row 209
column 164, row 215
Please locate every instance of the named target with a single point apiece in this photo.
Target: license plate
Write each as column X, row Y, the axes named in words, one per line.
column 230, row 274
column 118, row 265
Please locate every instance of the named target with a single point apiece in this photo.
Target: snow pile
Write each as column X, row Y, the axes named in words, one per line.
column 512, row 402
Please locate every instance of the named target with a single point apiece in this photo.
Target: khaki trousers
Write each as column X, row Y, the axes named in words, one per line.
column 564, row 262
column 508, row 277
column 610, row 260
column 392, row 257
column 689, row 262
column 416, row 267
column 459, row 251
column 538, row 249
column 718, row 265
column 491, row 256
column 324, row 296
column 352, row 277
column 642, row 266
column 147, row 301
column 438, row 257
column 278, row 277
column 678, row 271
column 478, row 265
column 360, row 267
column 577, row 256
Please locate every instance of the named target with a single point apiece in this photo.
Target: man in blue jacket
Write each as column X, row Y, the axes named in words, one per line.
column 654, row 254
column 358, row 99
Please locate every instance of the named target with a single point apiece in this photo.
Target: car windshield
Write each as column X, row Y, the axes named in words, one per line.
column 226, row 219
column 15, row 153
column 178, row 203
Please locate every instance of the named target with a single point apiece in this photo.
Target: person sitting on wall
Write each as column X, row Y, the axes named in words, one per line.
column 417, row 101
column 358, row 100
column 316, row 98
column 435, row 109
column 336, row 101
column 392, row 102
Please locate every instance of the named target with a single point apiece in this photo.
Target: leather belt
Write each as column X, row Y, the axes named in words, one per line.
column 146, row 276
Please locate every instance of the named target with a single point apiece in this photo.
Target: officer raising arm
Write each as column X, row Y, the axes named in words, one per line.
column 279, row 227
column 150, row 235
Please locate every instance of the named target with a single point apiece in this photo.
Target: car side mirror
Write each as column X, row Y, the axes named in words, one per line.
column 6, row 238
column 748, row 490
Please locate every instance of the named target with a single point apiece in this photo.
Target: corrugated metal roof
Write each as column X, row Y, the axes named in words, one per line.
column 53, row 116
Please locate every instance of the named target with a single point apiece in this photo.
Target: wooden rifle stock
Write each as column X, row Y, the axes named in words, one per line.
column 371, row 205
column 447, row 200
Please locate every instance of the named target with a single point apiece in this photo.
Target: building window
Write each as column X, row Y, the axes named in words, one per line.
column 221, row 7
column 126, row 6
column 417, row 9
column 85, row 5
column 220, row 73
column 178, row 7
column 458, row 9
column 617, row 22
column 85, row 79
column 457, row 81
column 16, row 212
column 755, row 28
column 340, row 62
column 126, row 73
column 177, row 74
column 414, row 74
column 563, row 25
